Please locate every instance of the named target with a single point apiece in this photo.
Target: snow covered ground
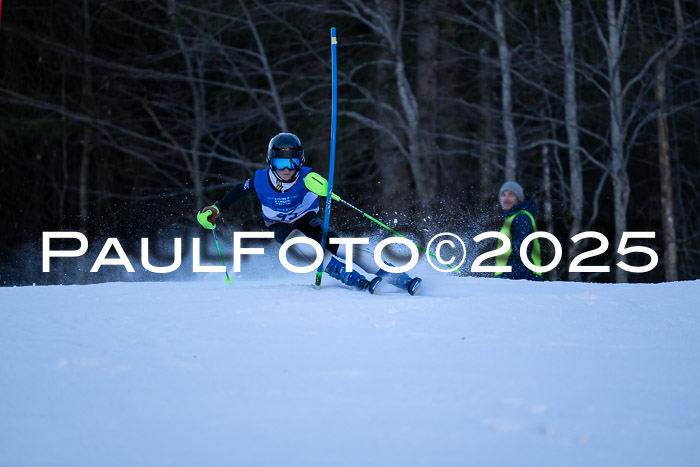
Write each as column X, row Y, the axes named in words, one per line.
column 267, row 372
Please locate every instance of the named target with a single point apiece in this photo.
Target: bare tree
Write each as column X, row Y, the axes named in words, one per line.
column 570, row 104
column 487, row 168
column 667, row 211
column 427, row 98
column 262, row 56
column 623, row 134
column 88, row 138
column 504, row 57
column 386, row 20
column 393, row 170
column 613, row 44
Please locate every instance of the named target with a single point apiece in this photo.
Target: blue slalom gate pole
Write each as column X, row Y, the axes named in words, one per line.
column 331, row 164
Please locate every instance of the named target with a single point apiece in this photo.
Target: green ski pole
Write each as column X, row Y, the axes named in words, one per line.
column 216, row 239
column 318, row 185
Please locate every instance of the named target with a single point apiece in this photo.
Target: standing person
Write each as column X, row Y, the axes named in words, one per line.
column 518, row 222
column 290, row 210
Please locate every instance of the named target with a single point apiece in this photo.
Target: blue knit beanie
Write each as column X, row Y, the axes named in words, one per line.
column 515, row 188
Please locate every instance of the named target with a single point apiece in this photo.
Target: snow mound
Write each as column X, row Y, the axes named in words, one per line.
column 269, row 373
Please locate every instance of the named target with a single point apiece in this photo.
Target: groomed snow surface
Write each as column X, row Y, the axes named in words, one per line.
column 271, row 372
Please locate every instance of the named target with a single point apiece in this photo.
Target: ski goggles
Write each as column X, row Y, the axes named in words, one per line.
column 279, row 163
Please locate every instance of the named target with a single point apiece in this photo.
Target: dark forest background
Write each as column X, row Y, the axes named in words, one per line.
column 122, row 118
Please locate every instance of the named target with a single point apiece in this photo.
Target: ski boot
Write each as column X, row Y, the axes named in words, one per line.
column 401, row 280
column 336, row 269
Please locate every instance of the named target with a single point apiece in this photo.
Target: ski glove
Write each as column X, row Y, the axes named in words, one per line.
column 207, row 217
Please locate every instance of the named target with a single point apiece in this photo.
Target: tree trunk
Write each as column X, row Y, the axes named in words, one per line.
column 200, row 116
column 423, row 176
column 621, row 185
column 547, row 186
column 262, row 56
column 511, row 163
column 454, row 169
column 667, row 211
column 394, row 175
column 547, row 203
column 667, row 216
column 487, row 166
column 87, row 141
column 65, row 157
column 427, row 95
column 570, row 104
column 194, row 71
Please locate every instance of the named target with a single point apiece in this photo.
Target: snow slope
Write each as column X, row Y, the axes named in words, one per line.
column 274, row 373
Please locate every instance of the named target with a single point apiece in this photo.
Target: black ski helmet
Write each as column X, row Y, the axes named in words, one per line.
column 285, row 146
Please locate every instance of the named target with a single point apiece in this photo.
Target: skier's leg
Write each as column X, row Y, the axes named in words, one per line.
column 401, row 280
column 364, row 258
column 331, row 265
column 361, row 256
column 311, row 226
column 303, row 251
